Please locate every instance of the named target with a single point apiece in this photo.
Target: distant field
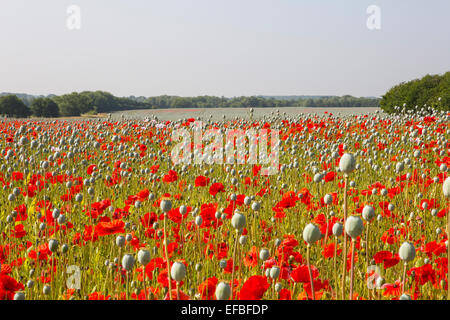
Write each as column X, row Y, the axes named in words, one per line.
column 217, row 113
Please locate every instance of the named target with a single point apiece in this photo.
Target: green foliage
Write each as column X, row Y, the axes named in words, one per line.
column 44, row 107
column 12, row 106
column 91, row 102
column 419, row 92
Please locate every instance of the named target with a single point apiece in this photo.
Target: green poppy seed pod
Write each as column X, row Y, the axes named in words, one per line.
column 247, row 200
column 264, row 254
column 243, row 240
column 19, row 296
column 178, row 271
column 30, row 284
column 274, row 272
column 311, row 233
column 317, row 177
column 446, row 188
column 64, row 248
column 198, row 221
column 78, row 197
column 223, row 291
column 144, row 257
column 128, row 262
column 368, row 213
column 53, row 245
column 165, row 205
column 338, row 228
column 379, row 282
column 405, row 297
column 278, row 287
column 277, row 242
column 354, row 226
column 407, row 252
column 223, row 264
column 120, row 241
column 46, row 290
column 238, row 221
column 61, row 219
column 198, row 267
column 328, row 199
column 256, row 206
column 183, row 210
column 347, row 164
column 399, row 167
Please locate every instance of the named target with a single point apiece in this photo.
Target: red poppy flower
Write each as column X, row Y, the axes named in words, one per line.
column 201, row 181
column 8, row 287
column 254, row 288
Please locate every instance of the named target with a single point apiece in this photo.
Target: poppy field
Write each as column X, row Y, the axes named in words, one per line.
column 95, row 209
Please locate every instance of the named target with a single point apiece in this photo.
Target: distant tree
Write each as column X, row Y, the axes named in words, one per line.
column 44, row 107
column 75, row 104
column 12, row 106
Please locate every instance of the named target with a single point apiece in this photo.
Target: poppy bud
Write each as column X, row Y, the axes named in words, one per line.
column 407, row 252
column 347, row 163
column 354, row 226
column 223, row 291
column 311, row 233
column 178, row 271
column 328, row 199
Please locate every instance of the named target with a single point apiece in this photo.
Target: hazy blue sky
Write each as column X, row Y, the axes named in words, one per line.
column 220, row 47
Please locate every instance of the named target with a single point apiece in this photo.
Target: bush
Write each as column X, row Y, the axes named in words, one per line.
column 431, row 90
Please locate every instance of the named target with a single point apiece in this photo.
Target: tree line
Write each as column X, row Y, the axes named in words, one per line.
column 89, row 102
column 430, row 92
